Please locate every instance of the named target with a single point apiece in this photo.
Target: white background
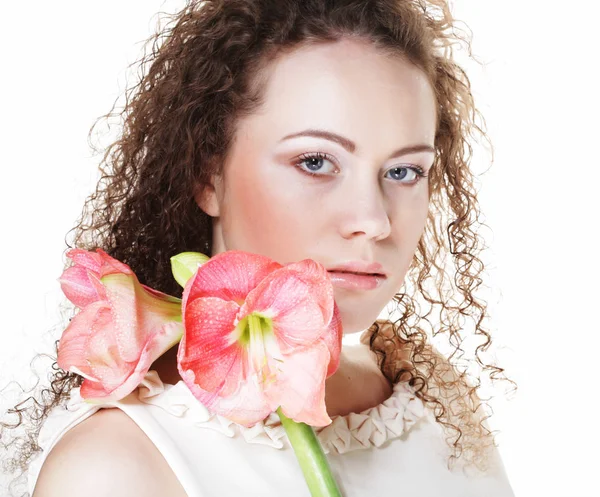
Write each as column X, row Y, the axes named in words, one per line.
column 64, row 63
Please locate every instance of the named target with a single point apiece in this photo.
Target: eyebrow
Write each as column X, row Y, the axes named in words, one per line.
column 350, row 146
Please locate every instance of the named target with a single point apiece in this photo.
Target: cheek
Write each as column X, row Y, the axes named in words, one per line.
column 408, row 227
column 411, row 216
column 266, row 217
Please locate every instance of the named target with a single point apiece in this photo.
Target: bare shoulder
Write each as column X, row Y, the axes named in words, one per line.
column 106, row 455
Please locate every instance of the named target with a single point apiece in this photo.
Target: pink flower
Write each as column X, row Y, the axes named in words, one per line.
column 259, row 335
column 122, row 328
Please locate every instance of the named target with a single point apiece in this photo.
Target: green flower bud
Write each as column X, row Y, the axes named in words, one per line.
column 185, row 265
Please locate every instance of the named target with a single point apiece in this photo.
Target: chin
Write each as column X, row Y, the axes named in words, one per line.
column 355, row 326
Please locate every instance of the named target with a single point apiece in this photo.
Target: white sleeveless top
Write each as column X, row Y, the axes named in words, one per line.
column 395, row 448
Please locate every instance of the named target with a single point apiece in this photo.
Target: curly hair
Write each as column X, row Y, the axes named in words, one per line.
column 200, row 72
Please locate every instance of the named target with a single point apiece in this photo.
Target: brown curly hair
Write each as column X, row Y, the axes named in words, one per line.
column 200, row 74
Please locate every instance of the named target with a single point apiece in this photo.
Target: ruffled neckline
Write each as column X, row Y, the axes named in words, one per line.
column 369, row 428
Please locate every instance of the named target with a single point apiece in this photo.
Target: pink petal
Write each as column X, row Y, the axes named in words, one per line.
column 103, row 357
column 130, row 375
column 168, row 335
column 207, row 347
column 121, row 386
column 298, row 302
column 86, row 259
column 229, row 275
column 300, row 386
column 333, row 340
column 93, row 391
column 110, row 265
column 81, row 283
column 316, row 276
column 98, row 285
column 73, row 347
column 137, row 314
column 117, row 378
column 155, row 309
column 263, row 358
column 77, row 287
column 245, row 406
column 126, row 313
column 99, row 262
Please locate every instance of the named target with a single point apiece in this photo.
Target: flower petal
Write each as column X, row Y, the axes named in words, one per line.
column 316, row 276
column 246, row 406
column 73, row 347
column 298, row 302
column 333, row 340
column 99, row 262
column 206, row 347
column 93, row 392
column 76, row 284
column 110, row 265
column 131, row 375
column 85, row 258
column 137, row 314
column 102, row 354
column 229, row 275
column 300, row 386
column 126, row 313
column 108, row 377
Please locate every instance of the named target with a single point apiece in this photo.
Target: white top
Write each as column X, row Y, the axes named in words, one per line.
column 395, row 448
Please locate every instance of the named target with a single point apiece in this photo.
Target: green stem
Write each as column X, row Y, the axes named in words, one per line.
column 311, row 457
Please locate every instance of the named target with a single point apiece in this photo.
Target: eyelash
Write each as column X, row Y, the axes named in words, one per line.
column 319, row 155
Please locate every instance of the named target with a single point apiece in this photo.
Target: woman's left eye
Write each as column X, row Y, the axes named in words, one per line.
column 401, row 172
column 314, row 161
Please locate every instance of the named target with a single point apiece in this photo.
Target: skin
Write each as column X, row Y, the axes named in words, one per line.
column 360, row 207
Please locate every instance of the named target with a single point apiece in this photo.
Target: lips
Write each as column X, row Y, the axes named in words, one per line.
column 355, row 281
column 358, row 273
column 358, row 267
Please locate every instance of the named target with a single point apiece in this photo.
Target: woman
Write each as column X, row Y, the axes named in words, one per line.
column 331, row 130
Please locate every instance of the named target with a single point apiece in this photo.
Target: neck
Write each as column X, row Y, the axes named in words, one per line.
column 358, row 384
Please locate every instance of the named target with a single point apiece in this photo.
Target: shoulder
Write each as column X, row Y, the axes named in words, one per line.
column 107, row 454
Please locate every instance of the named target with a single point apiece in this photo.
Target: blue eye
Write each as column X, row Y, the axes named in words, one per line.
column 314, row 162
column 418, row 172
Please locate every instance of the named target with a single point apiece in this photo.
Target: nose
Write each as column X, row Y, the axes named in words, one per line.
column 364, row 212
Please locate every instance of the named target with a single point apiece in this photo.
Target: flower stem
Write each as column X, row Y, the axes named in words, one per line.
column 311, row 457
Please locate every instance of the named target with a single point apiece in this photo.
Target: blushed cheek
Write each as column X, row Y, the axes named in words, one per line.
column 263, row 218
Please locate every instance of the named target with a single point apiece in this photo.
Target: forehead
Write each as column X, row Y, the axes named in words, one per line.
column 346, row 86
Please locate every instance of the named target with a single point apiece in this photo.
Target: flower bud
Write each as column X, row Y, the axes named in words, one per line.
column 185, row 265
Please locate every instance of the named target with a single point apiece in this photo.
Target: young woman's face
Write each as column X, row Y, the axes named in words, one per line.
column 365, row 201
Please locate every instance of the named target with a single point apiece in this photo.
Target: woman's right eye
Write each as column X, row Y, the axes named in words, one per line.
column 309, row 163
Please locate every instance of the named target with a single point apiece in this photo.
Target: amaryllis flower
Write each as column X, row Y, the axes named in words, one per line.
column 122, row 328
column 259, row 336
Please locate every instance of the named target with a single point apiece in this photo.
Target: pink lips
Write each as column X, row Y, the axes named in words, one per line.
column 352, row 281
column 357, row 275
column 358, row 267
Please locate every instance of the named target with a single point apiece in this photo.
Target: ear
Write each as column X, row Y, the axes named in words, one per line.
column 206, row 199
